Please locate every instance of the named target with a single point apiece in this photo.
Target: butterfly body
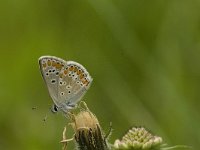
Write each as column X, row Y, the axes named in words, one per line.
column 67, row 81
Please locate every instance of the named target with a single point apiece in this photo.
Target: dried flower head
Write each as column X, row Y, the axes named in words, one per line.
column 138, row 138
column 88, row 133
column 84, row 119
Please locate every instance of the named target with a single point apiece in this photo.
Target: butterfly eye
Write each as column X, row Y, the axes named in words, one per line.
column 54, row 109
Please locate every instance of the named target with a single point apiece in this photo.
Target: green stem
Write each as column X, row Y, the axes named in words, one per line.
column 176, row 146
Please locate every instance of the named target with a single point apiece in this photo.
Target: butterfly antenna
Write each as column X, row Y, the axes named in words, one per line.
column 45, row 118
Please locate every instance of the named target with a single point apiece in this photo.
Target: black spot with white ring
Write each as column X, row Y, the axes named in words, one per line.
column 68, row 86
column 53, row 81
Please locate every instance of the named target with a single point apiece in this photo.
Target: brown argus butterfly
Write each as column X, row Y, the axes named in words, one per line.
column 67, row 81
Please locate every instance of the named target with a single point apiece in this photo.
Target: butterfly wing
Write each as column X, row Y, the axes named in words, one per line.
column 67, row 82
column 50, row 68
column 73, row 84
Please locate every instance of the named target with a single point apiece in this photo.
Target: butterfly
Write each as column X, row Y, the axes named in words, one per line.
column 67, row 81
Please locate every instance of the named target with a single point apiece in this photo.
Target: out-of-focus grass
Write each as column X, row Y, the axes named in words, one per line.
column 143, row 55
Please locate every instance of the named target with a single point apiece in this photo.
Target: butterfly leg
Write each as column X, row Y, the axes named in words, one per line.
column 71, row 105
column 83, row 106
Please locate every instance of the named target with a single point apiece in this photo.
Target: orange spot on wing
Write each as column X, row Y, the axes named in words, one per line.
column 53, row 63
column 79, row 72
column 44, row 65
column 65, row 71
column 81, row 76
column 86, row 82
column 71, row 68
column 49, row 63
column 58, row 66
column 75, row 69
column 83, row 81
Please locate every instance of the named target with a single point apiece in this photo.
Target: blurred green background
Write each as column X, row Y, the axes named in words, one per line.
column 144, row 57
